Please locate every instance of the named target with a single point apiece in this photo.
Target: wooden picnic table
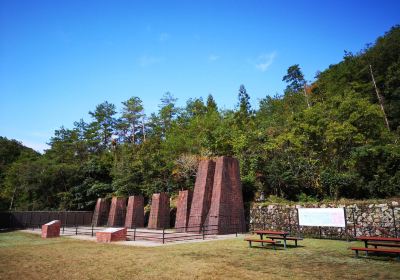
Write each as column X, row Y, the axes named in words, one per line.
column 381, row 242
column 384, row 240
column 284, row 234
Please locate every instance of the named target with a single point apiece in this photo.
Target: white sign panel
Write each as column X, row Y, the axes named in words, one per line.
column 322, row 217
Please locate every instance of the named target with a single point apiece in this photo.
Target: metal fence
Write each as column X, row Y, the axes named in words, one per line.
column 163, row 235
column 27, row 219
column 168, row 235
column 80, row 223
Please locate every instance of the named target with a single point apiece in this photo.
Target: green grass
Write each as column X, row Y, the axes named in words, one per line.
column 27, row 256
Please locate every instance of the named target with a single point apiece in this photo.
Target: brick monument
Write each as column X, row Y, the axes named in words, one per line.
column 159, row 212
column 226, row 214
column 116, row 217
column 183, row 210
column 201, row 195
column 111, row 234
column 135, row 212
column 100, row 214
column 51, row 229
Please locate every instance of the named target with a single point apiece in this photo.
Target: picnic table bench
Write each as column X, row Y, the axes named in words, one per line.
column 383, row 244
column 292, row 238
column 376, row 250
column 273, row 234
column 268, row 241
column 377, row 241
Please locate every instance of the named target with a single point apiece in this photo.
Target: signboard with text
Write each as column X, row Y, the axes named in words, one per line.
column 322, row 217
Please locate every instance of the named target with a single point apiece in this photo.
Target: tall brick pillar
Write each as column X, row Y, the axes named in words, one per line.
column 159, row 212
column 100, row 214
column 116, row 218
column 135, row 212
column 226, row 214
column 201, row 195
column 183, row 210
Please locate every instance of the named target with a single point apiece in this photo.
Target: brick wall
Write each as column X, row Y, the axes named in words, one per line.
column 201, row 195
column 226, row 214
column 100, row 214
column 135, row 212
column 183, row 210
column 159, row 212
column 116, row 216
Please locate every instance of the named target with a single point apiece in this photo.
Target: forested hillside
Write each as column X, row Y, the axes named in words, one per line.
column 12, row 154
column 325, row 139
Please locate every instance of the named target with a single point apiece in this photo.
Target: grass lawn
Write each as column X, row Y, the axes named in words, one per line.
column 27, row 256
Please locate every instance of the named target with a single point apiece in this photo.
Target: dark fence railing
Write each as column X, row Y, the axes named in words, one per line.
column 180, row 233
column 80, row 223
column 135, row 234
column 28, row 219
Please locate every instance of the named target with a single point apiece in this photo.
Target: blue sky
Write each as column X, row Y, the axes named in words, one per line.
column 59, row 59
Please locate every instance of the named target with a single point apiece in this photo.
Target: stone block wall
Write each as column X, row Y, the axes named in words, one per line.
column 226, row 214
column 183, row 210
column 159, row 212
column 201, row 195
column 135, row 212
column 51, row 229
column 380, row 219
column 116, row 217
column 100, row 214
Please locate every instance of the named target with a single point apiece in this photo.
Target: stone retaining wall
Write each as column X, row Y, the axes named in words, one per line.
column 362, row 219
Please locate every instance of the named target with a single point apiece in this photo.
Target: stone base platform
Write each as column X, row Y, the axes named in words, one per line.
column 51, row 229
column 111, row 234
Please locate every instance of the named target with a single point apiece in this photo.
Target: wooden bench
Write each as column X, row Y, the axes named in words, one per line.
column 273, row 242
column 376, row 250
column 294, row 238
column 383, row 244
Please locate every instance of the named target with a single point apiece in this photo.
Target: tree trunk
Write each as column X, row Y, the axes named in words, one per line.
column 305, row 94
column 380, row 99
column 12, row 198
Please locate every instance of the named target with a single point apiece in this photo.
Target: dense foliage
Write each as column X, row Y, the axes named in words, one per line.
column 326, row 139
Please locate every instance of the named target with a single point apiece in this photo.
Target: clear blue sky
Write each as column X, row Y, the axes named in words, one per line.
column 59, row 59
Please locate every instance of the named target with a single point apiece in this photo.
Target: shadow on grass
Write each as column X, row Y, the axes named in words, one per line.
column 267, row 248
column 290, row 246
column 5, row 230
column 379, row 257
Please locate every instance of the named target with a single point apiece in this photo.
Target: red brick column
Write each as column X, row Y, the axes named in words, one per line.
column 51, row 229
column 183, row 210
column 227, row 209
column 100, row 214
column 135, row 212
column 116, row 216
column 201, row 195
column 159, row 212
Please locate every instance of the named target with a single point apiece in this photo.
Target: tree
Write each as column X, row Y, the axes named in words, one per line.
column 104, row 123
column 211, row 104
column 11, row 152
column 132, row 112
column 167, row 111
column 294, row 78
column 244, row 102
column 296, row 82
